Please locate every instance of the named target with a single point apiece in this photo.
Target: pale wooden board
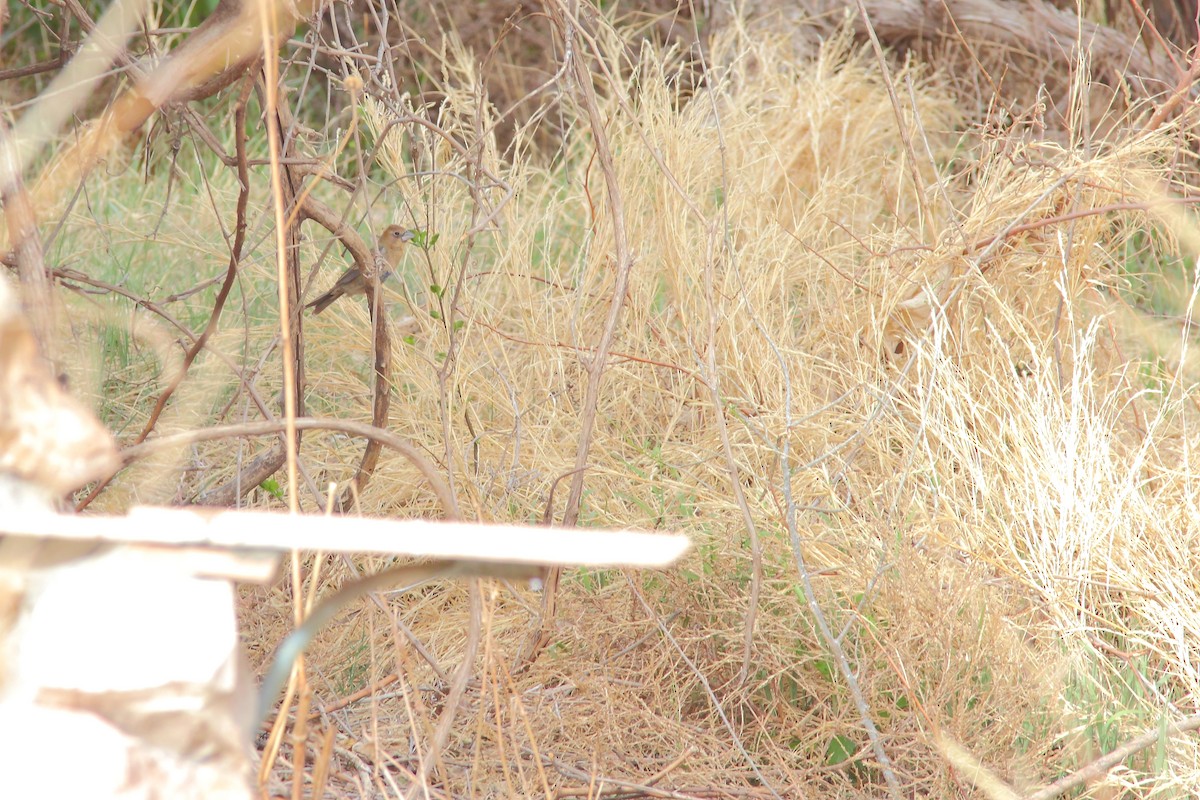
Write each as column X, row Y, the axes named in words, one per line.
column 281, row 532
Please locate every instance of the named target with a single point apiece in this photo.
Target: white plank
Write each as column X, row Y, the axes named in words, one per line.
column 282, row 532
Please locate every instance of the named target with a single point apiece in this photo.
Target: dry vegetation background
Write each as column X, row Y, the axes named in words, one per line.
column 903, row 344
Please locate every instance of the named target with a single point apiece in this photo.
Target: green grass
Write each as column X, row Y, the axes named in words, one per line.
column 1154, row 276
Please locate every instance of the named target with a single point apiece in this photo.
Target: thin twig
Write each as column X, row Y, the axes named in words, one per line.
column 563, row 18
column 918, row 193
column 713, row 382
column 708, row 690
column 1106, row 762
column 458, row 686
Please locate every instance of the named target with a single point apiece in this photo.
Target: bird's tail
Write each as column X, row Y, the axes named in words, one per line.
column 323, row 302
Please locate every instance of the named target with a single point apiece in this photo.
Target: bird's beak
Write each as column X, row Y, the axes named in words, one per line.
column 408, row 236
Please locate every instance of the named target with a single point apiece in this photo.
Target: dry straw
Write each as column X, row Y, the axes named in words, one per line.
column 993, row 491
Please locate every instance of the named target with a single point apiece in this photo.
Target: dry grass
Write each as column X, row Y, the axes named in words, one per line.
column 986, row 459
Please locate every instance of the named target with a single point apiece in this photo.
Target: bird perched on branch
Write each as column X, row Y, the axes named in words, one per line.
column 391, row 248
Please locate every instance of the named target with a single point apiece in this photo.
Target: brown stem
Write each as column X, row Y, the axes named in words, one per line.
column 566, row 24
column 251, row 474
column 326, row 217
column 382, row 390
column 235, row 257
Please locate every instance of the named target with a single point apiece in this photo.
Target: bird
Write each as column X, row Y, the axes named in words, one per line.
column 391, row 248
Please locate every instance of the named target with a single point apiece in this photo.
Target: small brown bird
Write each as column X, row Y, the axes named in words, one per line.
column 391, row 248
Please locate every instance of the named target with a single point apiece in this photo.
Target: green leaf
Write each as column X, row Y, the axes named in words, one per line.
column 840, row 749
column 425, row 239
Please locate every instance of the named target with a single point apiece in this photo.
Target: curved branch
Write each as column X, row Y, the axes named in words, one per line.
column 326, row 217
column 385, row 438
